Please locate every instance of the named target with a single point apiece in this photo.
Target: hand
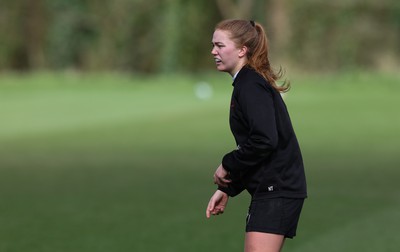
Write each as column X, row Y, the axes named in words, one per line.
column 217, row 203
column 221, row 177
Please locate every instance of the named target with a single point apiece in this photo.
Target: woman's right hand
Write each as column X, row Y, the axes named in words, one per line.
column 217, row 203
column 221, row 177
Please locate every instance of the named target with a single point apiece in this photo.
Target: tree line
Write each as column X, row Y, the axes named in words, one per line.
column 175, row 35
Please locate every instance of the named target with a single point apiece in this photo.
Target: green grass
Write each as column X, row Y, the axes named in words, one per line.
column 112, row 162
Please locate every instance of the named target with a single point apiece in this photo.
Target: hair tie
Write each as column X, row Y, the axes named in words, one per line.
column 252, row 23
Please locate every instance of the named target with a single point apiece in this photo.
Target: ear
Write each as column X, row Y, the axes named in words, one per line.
column 243, row 51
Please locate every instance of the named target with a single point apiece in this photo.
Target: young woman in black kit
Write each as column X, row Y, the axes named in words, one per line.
column 267, row 161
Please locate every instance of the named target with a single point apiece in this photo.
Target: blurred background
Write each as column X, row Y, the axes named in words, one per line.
column 172, row 35
column 113, row 121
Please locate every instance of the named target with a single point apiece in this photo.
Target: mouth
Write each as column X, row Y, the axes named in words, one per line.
column 217, row 61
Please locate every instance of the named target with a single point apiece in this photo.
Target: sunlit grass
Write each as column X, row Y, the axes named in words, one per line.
column 124, row 163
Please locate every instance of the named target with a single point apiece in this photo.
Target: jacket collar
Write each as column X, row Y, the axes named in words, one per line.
column 242, row 72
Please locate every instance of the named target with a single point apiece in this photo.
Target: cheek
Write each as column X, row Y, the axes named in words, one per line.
column 231, row 56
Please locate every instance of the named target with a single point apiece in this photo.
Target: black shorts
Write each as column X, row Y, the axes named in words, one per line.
column 276, row 216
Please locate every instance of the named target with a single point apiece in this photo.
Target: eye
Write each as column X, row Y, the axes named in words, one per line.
column 219, row 45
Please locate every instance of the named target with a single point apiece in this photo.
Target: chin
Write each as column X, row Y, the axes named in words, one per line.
column 221, row 69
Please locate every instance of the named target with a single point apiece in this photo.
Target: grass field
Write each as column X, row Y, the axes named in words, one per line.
column 112, row 162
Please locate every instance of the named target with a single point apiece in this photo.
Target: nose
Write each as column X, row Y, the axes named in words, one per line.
column 213, row 51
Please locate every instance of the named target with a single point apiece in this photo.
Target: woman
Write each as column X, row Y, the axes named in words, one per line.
column 267, row 161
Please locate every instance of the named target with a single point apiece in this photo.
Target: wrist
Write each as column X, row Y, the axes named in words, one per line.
column 221, row 191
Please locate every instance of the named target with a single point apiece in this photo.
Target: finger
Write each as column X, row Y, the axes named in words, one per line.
column 217, row 212
column 210, row 208
column 225, row 180
column 223, row 183
column 220, row 209
column 218, row 180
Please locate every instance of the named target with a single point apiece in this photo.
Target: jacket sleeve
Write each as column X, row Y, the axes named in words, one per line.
column 234, row 188
column 256, row 101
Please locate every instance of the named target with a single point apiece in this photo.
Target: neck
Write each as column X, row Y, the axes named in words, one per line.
column 237, row 68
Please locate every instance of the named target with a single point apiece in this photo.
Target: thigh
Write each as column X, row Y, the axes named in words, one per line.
column 263, row 242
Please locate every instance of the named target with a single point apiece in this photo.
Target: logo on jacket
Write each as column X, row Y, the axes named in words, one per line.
column 270, row 188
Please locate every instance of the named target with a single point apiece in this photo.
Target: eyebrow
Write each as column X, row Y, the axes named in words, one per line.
column 217, row 43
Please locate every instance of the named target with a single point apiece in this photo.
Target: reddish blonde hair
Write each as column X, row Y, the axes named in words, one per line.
column 252, row 35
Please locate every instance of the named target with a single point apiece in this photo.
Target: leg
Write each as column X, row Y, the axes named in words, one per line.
column 263, row 242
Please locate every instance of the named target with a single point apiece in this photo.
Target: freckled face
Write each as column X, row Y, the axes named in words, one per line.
column 226, row 54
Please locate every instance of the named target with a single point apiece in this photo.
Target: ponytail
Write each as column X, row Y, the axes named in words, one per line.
column 258, row 60
column 253, row 36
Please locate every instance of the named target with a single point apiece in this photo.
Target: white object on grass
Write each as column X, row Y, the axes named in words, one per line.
column 203, row 90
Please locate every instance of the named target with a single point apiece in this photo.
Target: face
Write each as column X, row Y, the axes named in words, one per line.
column 228, row 57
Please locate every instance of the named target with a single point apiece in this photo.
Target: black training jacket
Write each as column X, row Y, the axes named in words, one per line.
column 267, row 162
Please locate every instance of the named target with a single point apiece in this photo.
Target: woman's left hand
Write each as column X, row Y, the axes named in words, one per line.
column 221, row 176
column 217, row 203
